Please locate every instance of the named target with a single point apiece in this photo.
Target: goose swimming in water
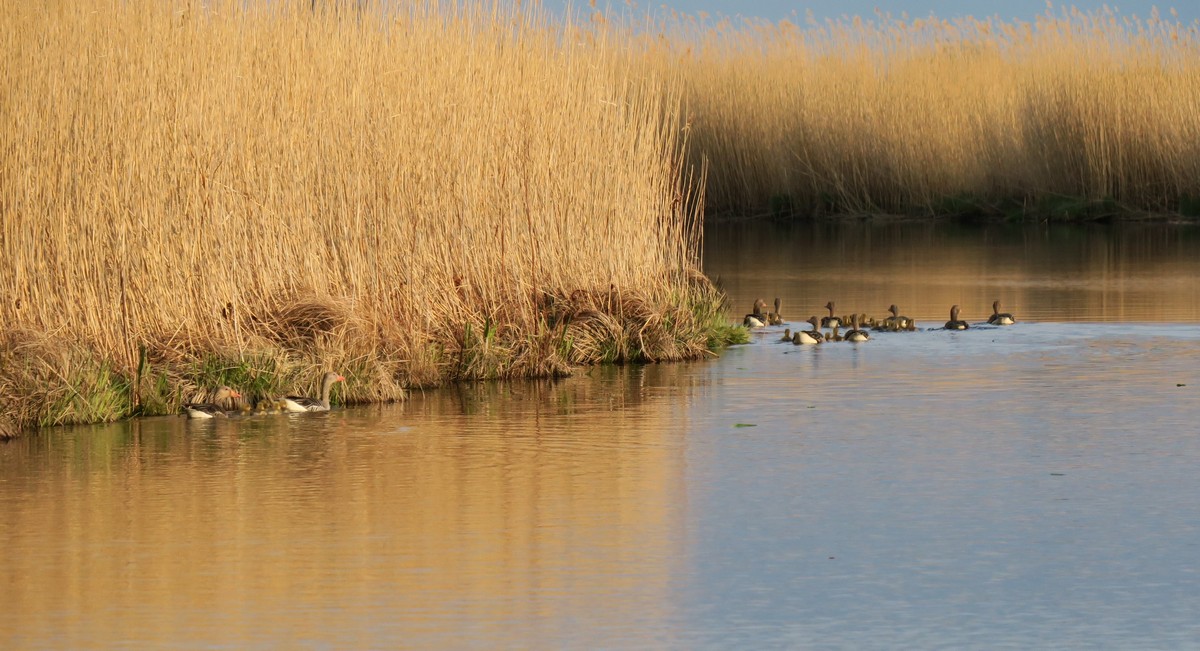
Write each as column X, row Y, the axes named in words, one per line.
column 955, row 323
column 831, row 320
column 787, row 334
column 808, row 337
column 895, row 322
column 776, row 317
column 1000, row 319
column 214, row 409
column 756, row 319
column 855, row 334
column 302, row 404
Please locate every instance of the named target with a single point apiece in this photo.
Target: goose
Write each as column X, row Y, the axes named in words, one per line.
column 776, row 317
column 831, row 320
column 1000, row 319
column 855, row 334
column 833, row 335
column 212, row 409
column 955, row 323
column 813, row 336
column 787, row 334
column 756, row 319
column 889, row 322
column 895, row 322
column 302, row 404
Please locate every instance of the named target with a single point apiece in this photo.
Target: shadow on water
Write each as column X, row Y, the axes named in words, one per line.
column 1029, row 486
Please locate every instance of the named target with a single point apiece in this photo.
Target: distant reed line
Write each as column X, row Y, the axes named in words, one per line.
column 936, row 117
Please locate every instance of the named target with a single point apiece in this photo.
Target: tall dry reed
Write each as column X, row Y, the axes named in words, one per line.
column 927, row 116
column 198, row 191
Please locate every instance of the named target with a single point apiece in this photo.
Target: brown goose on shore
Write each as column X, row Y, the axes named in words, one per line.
column 302, row 404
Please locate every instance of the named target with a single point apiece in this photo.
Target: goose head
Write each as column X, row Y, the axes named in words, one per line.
column 224, row 393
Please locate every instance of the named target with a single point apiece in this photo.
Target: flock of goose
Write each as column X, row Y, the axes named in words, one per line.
column 859, row 323
column 216, row 407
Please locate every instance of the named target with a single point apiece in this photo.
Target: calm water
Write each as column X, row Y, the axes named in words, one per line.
column 1024, row 487
column 1135, row 273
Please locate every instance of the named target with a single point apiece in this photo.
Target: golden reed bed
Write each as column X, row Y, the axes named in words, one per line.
column 248, row 193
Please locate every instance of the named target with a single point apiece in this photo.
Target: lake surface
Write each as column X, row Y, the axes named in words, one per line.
column 1024, row 487
column 1130, row 273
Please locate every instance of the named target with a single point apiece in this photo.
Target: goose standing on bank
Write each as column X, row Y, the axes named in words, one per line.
column 831, row 320
column 856, row 334
column 302, row 404
column 955, row 323
column 214, row 409
column 808, row 337
column 1000, row 319
column 756, row 319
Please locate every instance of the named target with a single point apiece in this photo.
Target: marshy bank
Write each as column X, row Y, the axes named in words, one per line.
column 251, row 193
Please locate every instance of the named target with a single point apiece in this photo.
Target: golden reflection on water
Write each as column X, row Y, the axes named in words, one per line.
column 545, row 503
column 1131, row 273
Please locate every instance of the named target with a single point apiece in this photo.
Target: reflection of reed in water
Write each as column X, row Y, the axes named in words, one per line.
column 1134, row 272
column 487, row 504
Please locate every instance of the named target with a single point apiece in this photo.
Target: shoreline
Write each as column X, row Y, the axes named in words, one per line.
column 51, row 381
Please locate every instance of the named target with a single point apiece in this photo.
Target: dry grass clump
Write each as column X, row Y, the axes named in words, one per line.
column 50, row 379
column 938, row 117
column 252, row 193
column 619, row 326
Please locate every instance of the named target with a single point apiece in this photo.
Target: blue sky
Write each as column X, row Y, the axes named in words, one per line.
column 1189, row 10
